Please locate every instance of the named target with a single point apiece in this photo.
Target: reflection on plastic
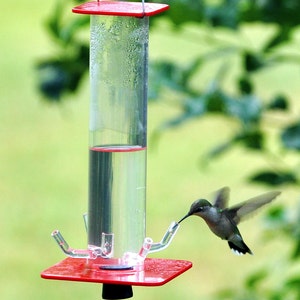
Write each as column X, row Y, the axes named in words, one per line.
column 137, row 259
column 145, row 248
column 167, row 238
column 107, row 245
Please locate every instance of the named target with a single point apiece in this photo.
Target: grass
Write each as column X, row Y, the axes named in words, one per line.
column 43, row 173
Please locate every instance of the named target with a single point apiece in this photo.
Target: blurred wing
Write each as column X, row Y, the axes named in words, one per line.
column 222, row 198
column 239, row 212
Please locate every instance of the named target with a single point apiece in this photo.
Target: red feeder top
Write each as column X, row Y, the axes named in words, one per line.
column 119, row 8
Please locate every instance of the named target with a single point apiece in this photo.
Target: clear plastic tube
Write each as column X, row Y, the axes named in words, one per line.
column 167, row 238
column 118, row 131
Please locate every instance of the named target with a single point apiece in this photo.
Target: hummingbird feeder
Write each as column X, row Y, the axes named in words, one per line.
column 116, row 220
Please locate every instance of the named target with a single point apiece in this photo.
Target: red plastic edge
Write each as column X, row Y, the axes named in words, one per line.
column 156, row 272
column 112, row 149
column 120, row 8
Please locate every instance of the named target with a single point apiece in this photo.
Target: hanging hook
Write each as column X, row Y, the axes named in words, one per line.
column 143, row 7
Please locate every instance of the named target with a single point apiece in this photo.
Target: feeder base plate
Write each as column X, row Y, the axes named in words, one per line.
column 156, row 272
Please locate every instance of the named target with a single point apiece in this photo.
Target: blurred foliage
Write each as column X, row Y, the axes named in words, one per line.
column 62, row 73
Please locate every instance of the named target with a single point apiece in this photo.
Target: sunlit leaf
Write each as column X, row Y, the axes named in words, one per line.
column 281, row 36
column 276, row 213
column 276, row 218
column 296, row 250
column 72, row 28
column 254, row 279
column 293, row 282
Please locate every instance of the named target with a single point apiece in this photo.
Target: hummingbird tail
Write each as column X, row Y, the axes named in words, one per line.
column 239, row 249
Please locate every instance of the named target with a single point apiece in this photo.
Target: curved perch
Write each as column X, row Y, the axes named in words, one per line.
column 75, row 253
column 167, row 238
column 93, row 253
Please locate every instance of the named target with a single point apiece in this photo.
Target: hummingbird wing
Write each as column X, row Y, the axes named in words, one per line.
column 222, row 198
column 240, row 211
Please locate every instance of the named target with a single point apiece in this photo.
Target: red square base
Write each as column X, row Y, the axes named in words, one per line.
column 156, row 272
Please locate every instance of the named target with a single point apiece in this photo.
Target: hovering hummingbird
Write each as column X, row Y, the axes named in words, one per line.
column 223, row 221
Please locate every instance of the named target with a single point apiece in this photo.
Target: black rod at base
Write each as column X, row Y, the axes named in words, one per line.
column 116, row 291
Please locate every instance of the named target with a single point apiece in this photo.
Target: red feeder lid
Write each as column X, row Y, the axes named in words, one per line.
column 119, row 8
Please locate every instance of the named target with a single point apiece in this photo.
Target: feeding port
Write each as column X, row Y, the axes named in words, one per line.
column 117, row 247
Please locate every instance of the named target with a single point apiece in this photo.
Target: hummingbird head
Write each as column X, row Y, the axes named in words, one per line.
column 198, row 207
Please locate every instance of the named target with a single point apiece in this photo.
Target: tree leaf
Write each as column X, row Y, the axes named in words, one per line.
column 296, row 250
column 252, row 62
column 186, row 11
column 253, row 138
column 248, row 108
column 282, row 12
column 52, row 80
column 254, row 279
column 290, row 136
column 293, row 282
column 279, row 102
column 245, row 85
column 276, row 213
column 277, row 218
column 167, row 74
column 280, row 37
column 216, row 102
column 226, row 14
column 220, row 149
column 68, row 32
column 274, row 178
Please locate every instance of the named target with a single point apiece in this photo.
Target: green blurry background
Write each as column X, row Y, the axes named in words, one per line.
column 43, row 176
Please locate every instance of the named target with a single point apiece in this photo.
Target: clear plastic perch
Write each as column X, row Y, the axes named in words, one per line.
column 167, row 238
column 75, row 253
column 106, row 250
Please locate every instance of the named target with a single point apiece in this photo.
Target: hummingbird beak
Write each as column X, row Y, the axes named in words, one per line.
column 187, row 215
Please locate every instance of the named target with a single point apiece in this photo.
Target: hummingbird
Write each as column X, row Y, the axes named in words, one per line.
column 223, row 221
